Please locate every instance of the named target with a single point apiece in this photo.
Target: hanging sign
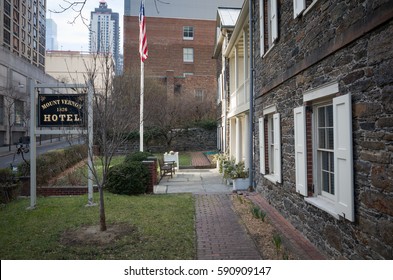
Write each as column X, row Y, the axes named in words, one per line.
column 61, row 110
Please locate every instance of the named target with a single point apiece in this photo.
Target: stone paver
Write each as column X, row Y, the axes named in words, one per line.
column 220, row 235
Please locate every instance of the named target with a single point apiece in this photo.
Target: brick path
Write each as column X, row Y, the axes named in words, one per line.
column 220, row 235
column 199, row 159
column 303, row 248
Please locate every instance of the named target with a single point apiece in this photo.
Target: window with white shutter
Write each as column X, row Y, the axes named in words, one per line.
column 268, row 24
column 300, row 150
column 262, row 27
column 262, row 146
column 332, row 157
column 270, row 145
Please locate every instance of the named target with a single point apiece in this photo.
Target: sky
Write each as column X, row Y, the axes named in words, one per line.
column 75, row 37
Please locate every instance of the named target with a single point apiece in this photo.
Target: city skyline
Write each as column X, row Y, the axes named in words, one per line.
column 75, row 37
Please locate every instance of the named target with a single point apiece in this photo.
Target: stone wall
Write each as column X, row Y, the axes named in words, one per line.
column 349, row 42
column 192, row 139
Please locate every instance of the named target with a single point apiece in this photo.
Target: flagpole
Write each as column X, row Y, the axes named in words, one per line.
column 141, row 106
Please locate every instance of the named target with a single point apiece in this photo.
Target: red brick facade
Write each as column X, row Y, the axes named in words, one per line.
column 165, row 44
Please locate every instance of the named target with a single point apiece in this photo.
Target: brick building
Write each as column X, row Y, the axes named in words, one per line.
column 323, row 120
column 179, row 54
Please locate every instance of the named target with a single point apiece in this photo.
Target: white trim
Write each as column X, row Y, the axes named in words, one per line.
column 323, row 204
column 268, row 51
column 262, row 167
column 310, row 7
column 269, row 110
column 298, row 7
column 272, row 178
column 320, row 92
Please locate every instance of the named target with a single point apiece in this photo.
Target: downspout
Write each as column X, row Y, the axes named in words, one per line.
column 251, row 117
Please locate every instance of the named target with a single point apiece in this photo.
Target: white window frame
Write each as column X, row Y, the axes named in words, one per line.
column 186, row 29
column 188, row 55
column 272, row 25
column 342, row 203
column 274, row 155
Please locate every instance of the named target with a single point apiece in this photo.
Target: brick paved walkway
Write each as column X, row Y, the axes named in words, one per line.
column 199, row 159
column 220, row 235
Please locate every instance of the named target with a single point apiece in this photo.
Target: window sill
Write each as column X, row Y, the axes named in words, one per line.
column 269, row 50
column 310, row 7
column 323, row 204
column 272, row 178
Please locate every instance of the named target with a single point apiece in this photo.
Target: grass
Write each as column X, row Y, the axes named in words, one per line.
column 78, row 177
column 164, row 228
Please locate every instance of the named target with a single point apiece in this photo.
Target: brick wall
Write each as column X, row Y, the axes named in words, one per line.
column 350, row 43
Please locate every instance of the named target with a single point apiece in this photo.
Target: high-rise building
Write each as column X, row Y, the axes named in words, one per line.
column 22, row 63
column 23, row 29
column 105, row 33
column 51, row 35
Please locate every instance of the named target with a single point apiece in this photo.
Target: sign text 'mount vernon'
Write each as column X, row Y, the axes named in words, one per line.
column 61, row 110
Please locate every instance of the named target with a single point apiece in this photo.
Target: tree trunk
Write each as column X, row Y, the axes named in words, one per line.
column 102, row 210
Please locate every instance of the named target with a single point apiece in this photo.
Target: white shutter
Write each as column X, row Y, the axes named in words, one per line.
column 300, row 150
column 262, row 166
column 343, row 156
column 298, row 7
column 277, row 147
column 261, row 27
column 274, row 20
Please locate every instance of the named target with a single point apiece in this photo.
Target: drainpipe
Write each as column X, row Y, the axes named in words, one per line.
column 251, row 117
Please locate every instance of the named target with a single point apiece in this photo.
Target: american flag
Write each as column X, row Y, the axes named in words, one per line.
column 142, row 33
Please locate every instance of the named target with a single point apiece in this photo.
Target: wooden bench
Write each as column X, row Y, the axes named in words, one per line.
column 167, row 168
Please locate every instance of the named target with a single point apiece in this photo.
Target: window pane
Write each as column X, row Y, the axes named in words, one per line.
column 331, row 167
column 325, row 161
column 321, row 117
column 321, row 138
column 325, row 181
column 330, row 139
column 329, row 113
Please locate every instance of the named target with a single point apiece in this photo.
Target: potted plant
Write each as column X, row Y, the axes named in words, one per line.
column 238, row 173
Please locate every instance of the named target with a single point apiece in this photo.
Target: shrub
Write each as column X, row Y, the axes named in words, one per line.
column 9, row 189
column 130, row 178
column 137, row 156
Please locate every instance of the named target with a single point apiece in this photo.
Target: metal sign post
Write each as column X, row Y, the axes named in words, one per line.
column 65, row 130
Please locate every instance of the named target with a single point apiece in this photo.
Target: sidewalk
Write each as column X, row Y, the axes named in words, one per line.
column 220, row 233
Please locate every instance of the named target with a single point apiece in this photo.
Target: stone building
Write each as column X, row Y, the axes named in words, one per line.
column 324, row 120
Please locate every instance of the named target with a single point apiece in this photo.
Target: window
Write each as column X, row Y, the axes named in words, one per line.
column 188, row 55
column 323, row 151
column 188, row 33
column 270, row 145
column 199, row 93
column 302, row 6
column 268, row 21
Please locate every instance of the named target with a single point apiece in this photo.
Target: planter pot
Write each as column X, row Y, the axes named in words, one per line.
column 240, row 184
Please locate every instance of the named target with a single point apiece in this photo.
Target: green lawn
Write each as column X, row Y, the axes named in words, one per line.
column 162, row 228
